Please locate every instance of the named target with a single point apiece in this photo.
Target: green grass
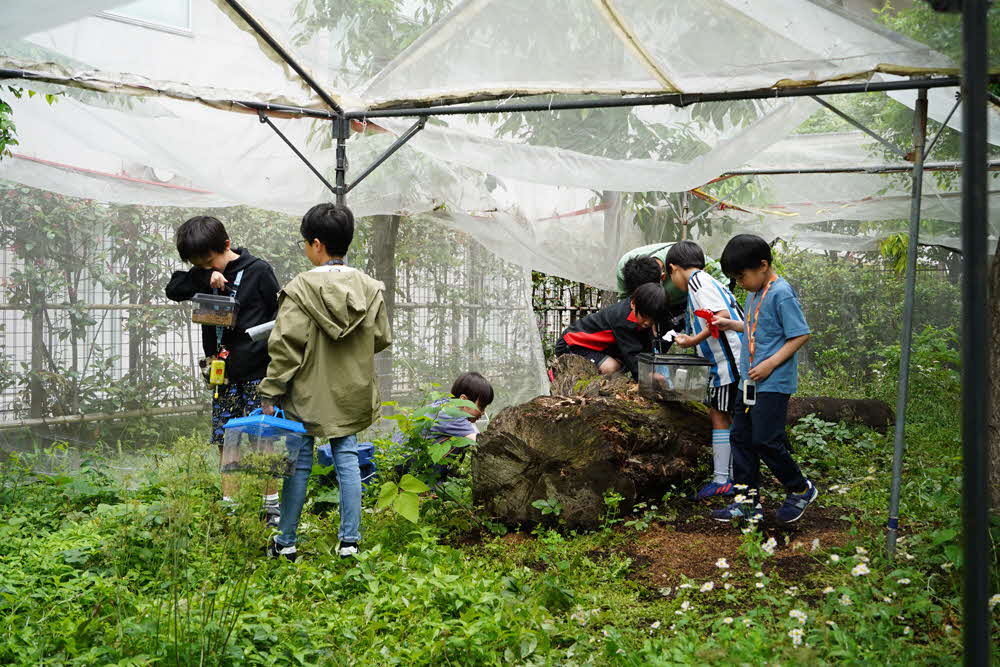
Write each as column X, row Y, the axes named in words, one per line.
column 149, row 569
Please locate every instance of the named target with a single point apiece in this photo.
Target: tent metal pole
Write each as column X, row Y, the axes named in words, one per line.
column 402, row 139
column 958, row 101
column 903, row 390
column 341, row 129
column 283, row 54
column 314, row 170
column 871, row 169
column 675, row 99
column 861, row 126
column 975, row 338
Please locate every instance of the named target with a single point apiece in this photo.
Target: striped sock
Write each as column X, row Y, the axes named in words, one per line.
column 721, row 454
column 270, row 500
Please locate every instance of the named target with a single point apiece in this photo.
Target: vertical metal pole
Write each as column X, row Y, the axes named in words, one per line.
column 975, row 337
column 902, row 392
column 341, row 129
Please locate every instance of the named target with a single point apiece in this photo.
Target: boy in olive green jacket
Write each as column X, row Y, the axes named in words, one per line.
column 331, row 322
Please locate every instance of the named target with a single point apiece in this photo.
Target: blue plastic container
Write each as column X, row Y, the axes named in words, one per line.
column 366, row 460
column 261, row 444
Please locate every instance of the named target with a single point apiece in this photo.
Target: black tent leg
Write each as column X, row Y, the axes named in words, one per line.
column 341, row 128
column 975, row 337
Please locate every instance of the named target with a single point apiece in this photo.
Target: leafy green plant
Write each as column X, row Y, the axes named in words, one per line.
column 548, row 507
column 404, row 497
column 612, row 510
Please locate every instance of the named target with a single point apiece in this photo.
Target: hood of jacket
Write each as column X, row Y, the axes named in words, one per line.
column 337, row 298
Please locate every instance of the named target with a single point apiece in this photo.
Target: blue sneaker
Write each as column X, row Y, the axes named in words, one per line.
column 795, row 504
column 713, row 489
column 740, row 512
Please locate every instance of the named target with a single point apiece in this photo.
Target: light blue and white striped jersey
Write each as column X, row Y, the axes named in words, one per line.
column 707, row 293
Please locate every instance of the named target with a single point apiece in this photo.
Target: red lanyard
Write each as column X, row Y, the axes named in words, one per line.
column 752, row 333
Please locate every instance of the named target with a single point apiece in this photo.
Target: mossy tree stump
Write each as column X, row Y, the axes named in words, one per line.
column 602, row 436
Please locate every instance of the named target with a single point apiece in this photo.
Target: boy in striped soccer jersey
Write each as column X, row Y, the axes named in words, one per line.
column 686, row 263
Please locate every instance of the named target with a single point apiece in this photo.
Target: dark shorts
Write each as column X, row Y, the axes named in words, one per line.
column 237, row 399
column 595, row 356
column 724, row 398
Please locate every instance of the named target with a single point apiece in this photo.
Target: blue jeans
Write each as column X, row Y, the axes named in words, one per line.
column 293, row 491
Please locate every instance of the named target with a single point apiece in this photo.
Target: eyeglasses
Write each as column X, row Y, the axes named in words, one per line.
column 301, row 243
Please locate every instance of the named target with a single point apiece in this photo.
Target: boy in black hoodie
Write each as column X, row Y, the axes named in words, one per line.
column 203, row 242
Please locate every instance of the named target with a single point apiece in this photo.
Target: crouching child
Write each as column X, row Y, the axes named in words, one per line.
column 331, row 321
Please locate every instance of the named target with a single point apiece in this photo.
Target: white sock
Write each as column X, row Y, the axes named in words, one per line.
column 721, row 455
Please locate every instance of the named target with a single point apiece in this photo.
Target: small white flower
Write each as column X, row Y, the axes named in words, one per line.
column 727, row 585
column 728, row 620
column 655, row 625
column 948, row 628
column 770, row 545
column 863, row 559
column 759, row 584
column 909, row 556
column 903, row 581
column 834, row 558
column 665, row 592
column 707, row 586
column 796, row 635
column 758, row 574
column 845, row 600
column 861, row 551
column 887, row 600
column 725, row 575
column 995, row 600
column 739, row 487
column 747, row 622
column 860, row 570
column 831, row 624
column 685, row 605
column 828, row 590
column 947, row 566
column 798, row 614
column 739, row 498
column 722, row 564
column 684, row 586
column 815, row 545
column 907, row 630
column 871, row 470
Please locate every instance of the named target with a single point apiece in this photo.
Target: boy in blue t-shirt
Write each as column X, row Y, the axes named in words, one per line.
column 774, row 329
column 686, row 264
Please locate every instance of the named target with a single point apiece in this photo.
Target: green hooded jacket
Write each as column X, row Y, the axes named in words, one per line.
column 331, row 322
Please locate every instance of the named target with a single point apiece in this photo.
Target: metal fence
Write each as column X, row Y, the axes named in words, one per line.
column 88, row 349
column 558, row 303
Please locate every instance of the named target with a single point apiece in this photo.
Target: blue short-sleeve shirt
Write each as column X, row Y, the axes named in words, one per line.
column 781, row 318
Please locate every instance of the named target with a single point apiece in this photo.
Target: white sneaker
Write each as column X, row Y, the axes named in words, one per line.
column 348, row 549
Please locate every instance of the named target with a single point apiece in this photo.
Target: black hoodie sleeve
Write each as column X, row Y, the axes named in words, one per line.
column 631, row 344
column 185, row 284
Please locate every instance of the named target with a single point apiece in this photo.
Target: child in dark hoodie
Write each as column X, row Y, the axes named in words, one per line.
column 203, row 242
column 331, row 322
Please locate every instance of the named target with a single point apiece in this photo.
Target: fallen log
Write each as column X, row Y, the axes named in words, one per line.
column 868, row 412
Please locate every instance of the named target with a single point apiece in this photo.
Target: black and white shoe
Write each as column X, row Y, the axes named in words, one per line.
column 348, row 549
column 275, row 550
